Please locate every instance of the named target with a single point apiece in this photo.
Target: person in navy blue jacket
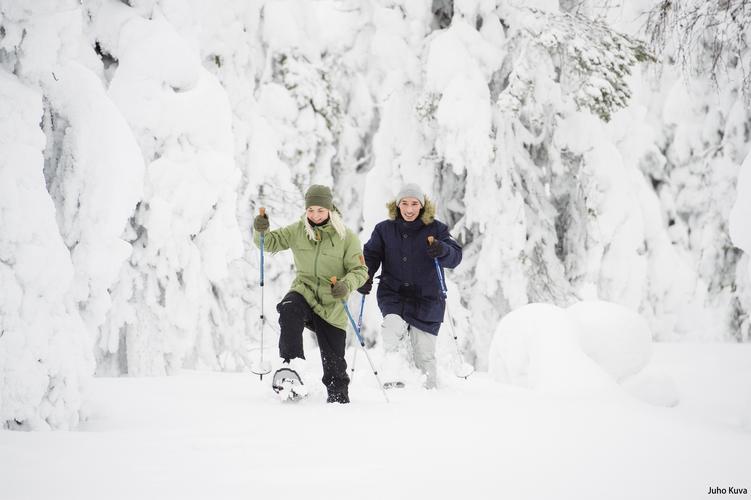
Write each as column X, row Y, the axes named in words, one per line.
column 409, row 293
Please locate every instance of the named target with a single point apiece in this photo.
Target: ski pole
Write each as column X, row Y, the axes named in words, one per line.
column 261, row 370
column 362, row 342
column 444, row 292
column 359, row 327
column 359, row 319
column 262, row 211
column 438, row 271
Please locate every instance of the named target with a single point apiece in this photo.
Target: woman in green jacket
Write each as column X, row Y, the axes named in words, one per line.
column 322, row 247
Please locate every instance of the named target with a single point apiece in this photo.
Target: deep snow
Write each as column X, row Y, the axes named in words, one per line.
column 224, row 436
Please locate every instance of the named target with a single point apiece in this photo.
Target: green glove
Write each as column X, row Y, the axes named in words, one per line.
column 339, row 290
column 261, row 223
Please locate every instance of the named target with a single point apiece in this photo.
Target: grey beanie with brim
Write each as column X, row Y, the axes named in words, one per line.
column 411, row 191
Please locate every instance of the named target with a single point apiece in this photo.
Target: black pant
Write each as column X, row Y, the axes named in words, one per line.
column 294, row 315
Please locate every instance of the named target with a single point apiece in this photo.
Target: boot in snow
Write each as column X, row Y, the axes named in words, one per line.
column 396, row 371
column 338, row 397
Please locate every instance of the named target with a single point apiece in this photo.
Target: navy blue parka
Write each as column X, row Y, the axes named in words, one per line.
column 409, row 283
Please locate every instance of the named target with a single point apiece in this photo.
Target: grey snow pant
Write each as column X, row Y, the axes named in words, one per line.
column 396, row 330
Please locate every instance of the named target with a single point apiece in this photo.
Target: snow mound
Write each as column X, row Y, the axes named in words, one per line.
column 590, row 348
column 536, row 346
column 617, row 338
column 653, row 387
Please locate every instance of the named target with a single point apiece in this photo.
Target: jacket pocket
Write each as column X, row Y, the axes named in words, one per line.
column 331, row 262
column 431, row 311
column 389, row 283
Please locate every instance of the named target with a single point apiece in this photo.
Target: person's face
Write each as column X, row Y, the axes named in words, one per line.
column 409, row 208
column 317, row 214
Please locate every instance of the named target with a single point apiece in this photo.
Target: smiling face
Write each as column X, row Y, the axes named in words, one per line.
column 317, row 214
column 409, row 208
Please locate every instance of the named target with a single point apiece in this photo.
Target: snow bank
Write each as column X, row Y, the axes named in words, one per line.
column 536, row 346
column 616, row 337
column 588, row 348
column 202, row 435
column 653, row 386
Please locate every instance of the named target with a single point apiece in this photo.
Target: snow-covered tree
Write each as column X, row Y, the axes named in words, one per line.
column 58, row 235
column 703, row 140
column 170, row 299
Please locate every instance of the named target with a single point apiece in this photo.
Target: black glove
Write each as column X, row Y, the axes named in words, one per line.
column 261, row 223
column 340, row 290
column 438, row 249
column 366, row 287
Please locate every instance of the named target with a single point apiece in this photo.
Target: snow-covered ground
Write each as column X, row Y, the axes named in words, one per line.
column 223, row 436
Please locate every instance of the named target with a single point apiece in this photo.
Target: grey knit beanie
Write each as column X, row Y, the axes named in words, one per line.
column 319, row 196
column 411, row 191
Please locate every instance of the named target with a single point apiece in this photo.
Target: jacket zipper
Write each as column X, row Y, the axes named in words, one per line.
column 315, row 265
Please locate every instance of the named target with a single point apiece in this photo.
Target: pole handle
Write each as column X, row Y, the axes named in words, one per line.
column 441, row 283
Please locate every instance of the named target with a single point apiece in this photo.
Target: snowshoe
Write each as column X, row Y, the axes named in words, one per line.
column 288, row 384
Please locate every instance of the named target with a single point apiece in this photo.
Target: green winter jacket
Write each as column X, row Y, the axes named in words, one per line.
column 320, row 253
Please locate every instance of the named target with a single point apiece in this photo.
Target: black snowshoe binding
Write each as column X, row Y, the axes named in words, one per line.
column 288, row 385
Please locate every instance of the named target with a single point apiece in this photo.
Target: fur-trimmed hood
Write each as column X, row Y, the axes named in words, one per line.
column 428, row 214
column 335, row 219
